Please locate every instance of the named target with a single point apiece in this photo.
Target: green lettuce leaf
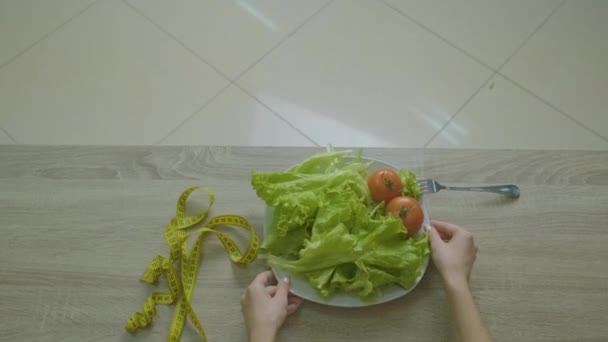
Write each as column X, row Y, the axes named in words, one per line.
column 411, row 187
column 320, row 163
column 326, row 228
column 380, row 254
column 287, row 245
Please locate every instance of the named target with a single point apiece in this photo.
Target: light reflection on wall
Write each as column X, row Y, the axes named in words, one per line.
column 249, row 8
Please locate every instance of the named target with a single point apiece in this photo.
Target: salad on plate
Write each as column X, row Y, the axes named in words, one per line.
column 344, row 228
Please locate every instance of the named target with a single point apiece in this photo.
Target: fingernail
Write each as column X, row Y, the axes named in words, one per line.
column 286, row 280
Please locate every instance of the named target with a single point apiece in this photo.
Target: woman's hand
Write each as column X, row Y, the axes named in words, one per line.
column 453, row 252
column 266, row 306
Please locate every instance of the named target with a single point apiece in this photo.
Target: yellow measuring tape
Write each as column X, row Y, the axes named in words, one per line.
column 181, row 287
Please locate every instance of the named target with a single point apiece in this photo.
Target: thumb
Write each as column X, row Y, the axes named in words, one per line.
column 282, row 289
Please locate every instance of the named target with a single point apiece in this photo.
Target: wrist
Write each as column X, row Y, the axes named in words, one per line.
column 262, row 335
column 456, row 283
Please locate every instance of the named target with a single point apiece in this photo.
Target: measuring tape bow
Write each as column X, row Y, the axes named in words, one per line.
column 181, row 287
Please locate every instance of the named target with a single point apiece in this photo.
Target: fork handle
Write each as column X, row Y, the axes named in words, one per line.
column 508, row 189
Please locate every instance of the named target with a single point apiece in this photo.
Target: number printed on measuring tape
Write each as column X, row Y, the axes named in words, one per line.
column 181, row 288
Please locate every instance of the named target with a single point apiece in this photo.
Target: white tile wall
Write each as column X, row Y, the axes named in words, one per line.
column 299, row 73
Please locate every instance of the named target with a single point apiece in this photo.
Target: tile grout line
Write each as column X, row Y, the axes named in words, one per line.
column 563, row 113
column 495, row 70
column 542, row 23
column 47, row 35
column 483, row 84
column 177, row 40
column 533, row 94
column 284, row 39
column 276, row 46
column 461, row 50
column 231, row 82
column 195, row 54
column 189, row 117
column 280, row 117
column 8, row 135
column 425, row 28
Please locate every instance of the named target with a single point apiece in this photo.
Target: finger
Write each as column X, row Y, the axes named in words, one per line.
column 263, row 279
column 291, row 308
column 445, row 229
column 271, row 290
column 294, row 300
column 282, row 289
column 291, row 295
column 435, row 237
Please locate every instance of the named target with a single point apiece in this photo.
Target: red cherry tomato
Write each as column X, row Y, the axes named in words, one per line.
column 384, row 185
column 409, row 211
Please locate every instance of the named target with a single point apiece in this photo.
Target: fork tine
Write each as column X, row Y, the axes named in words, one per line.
column 426, row 185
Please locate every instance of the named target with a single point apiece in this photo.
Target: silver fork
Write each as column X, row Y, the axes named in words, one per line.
column 431, row 186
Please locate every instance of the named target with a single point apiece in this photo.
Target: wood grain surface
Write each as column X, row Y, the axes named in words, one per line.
column 80, row 224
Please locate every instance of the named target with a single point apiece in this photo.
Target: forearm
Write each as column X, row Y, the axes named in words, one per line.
column 468, row 325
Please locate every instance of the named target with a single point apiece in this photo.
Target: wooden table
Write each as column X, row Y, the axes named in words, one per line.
column 80, row 224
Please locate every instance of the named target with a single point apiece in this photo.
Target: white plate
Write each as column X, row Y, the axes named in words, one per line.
column 301, row 287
